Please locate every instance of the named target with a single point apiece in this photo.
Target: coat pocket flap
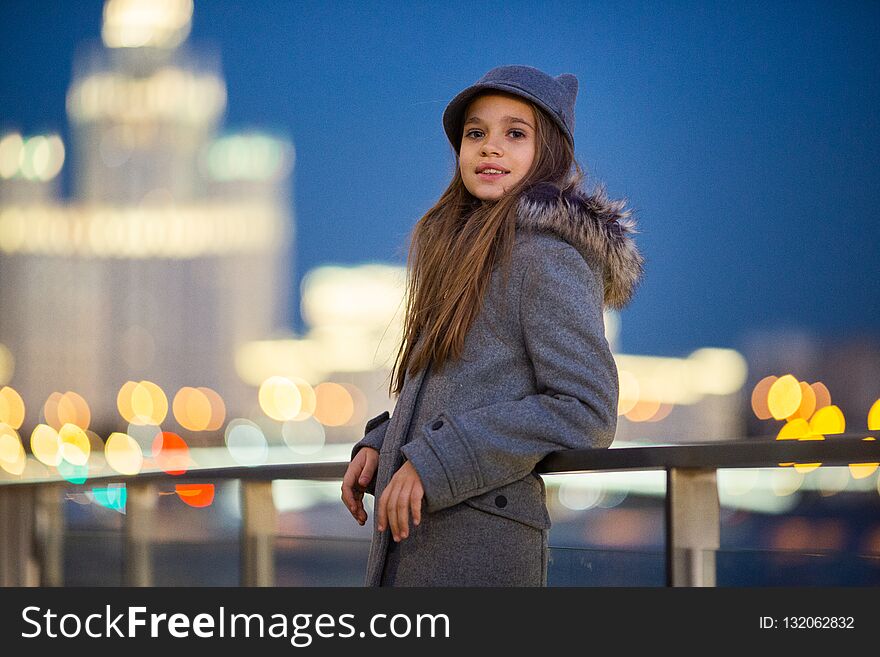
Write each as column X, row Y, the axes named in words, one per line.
column 522, row 500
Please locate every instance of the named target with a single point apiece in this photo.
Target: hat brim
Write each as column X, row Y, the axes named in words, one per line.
column 453, row 115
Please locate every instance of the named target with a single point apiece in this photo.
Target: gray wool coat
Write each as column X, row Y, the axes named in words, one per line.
column 536, row 376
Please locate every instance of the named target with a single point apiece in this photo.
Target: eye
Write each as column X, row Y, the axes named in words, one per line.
column 470, row 132
column 518, row 132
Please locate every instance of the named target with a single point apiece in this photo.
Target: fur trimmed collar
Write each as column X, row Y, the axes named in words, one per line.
column 599, row 228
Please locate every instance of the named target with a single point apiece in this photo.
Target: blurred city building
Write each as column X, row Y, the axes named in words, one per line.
column 174, row 249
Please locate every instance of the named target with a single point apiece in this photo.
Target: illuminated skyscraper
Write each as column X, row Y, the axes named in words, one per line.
column 174, row 249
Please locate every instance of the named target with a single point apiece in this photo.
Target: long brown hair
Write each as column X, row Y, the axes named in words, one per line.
column 455, row 246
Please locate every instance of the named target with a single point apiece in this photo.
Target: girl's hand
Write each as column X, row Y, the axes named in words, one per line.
column 403, row 493
column 359, row 473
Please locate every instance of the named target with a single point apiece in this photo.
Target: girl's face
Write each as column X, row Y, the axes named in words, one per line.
column 499, row 133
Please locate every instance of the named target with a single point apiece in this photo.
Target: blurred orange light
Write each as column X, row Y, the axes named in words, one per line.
column 171, row 453
column 823, row 396
column 808, row 402
column 334, row 405
column 218, row 408
column 196, row 495
column 759, row 397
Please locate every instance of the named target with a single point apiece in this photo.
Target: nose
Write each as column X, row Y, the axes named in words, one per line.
column 489, row 146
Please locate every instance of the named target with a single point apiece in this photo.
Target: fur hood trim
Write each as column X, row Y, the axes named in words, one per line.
column 599, row 228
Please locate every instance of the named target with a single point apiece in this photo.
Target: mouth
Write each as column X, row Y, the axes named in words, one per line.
column 491, row 174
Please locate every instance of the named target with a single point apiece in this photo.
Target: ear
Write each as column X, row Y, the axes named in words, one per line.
column 570, row 83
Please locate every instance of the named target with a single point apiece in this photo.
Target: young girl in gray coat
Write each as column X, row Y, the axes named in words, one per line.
column 504, row 357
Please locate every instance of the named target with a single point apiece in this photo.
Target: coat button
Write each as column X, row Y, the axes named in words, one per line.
column 437, row 425
column 501, row 501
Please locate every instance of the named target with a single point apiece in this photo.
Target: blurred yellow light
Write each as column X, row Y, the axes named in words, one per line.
column 785, row 482
column 12, row 455
column 75, row 445
column 280, row 398
column 140, row 23
column 828, row 420
column 124, row 454
column 862, row 470
column 808, row 402
column 10, row 154
column 11, row 407
column 309, row 399
column 123, row 400
column 759, row 397
column 718, row 371
column 218, row 408
column 784, row 397
column 46, row 445
column 874, row 416
column 334, row 405
column 792, row 430
column 149, row 404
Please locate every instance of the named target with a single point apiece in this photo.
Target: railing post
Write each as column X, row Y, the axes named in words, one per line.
column 139, row 512
column 693, row 526
column 18, row 567
column 49, row 526
column 258, row 521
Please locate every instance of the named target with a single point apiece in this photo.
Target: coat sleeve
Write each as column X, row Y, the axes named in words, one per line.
column 374, row 436
column 465, row 454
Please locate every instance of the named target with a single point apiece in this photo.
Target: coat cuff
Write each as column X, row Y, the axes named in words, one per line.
column 439, row 443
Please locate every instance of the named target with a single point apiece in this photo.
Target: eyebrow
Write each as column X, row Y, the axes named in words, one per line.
column 510, row 119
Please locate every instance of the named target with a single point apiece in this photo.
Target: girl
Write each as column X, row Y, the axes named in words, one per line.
column 504, row 357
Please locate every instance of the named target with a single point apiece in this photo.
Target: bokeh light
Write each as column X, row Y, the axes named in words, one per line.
column 304, row 436
column 808, row 402
column 75, row 474
column 246, row 442
column 11, row 407
column 113, row 497
column 143, row 403
column 280, row 398
column 124, row 454
column 823, row 395
column 334, row 406
column 828, row 420
column 12, row 455
column 784, row 397
column 196, row 495
column 171, row 453
column 759, row 397
column 75, row 444
column 46, row 445
column 873, row 416
column 863, row 470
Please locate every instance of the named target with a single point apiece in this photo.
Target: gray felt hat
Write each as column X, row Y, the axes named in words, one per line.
column 555, row 95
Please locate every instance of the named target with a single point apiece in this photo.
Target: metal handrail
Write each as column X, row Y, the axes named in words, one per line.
column 692, row 507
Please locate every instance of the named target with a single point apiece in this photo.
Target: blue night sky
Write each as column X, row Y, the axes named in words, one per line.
column 745, row 135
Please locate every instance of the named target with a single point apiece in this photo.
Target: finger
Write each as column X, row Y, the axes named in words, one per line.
column 360, row 511
column 348, row 486
column 403, row 510
column 415, row 501
column 392, row 509
column 368, row 471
